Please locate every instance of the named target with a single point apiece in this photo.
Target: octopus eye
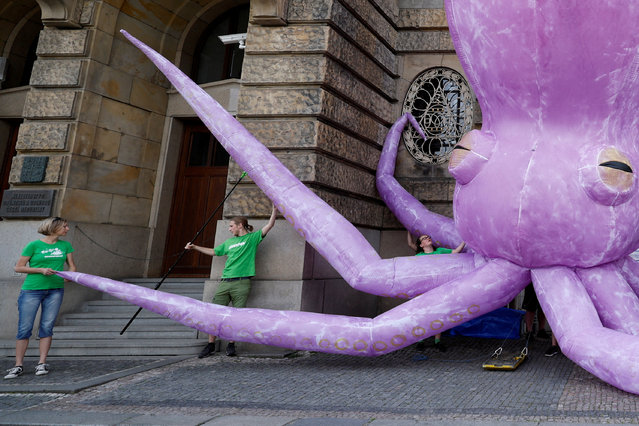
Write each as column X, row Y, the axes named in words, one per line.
column 470, row 155
column 614, row 170
column 459, row 153
column 616, row 174
column 611, row 182
column 617, row 165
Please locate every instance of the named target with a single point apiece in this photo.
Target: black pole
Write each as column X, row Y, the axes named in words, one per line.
column 185, row 250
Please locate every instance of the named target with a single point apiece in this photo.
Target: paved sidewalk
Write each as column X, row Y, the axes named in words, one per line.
column 403, row 388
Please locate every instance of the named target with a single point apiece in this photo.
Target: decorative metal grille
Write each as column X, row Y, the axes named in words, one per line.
column 442, row 103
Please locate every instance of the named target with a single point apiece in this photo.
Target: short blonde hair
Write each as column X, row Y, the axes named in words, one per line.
column 50, row 225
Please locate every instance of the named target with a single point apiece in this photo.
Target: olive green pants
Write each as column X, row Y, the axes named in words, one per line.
column 233, row 291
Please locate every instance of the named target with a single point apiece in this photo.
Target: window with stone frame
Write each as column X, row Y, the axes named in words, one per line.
column 214, row 60
column 441, row 101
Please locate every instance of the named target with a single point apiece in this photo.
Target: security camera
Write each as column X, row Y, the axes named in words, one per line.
column 234, row 38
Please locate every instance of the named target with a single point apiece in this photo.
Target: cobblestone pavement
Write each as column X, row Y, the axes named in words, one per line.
column 404, row 387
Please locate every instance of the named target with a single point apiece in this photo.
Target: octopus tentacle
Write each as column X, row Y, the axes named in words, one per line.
column 615, row 301
column 409, row 211
column 336, row 239
column 629, row 268
column 592, row 346
column 471, row 295
column 407, row 277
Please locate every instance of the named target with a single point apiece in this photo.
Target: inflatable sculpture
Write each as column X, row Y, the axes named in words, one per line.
column 546, row 191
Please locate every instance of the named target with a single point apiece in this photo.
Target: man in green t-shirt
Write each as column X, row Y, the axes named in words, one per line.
column 235, row 283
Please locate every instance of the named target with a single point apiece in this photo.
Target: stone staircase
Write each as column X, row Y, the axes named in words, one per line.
column 94, row 330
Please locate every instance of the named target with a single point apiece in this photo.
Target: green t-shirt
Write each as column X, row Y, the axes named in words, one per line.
column 44, row 255
column 240, row 252
column 438, row 250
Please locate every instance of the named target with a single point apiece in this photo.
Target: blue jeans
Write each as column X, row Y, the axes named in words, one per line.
column 28, row 303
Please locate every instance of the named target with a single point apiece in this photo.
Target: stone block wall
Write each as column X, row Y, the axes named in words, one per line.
column 319, row 91
column 96, row 110
column 322, row 90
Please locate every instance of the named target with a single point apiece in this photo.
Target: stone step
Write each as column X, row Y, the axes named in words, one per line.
column 112, row 308
column 86, row 333
column 141, row 320
column 177, row 288
column 167, row 281
column 115, row 314
column 170, row 326
column 94, row 329
column 115, row 347
column 192, row 288
column 114, row 301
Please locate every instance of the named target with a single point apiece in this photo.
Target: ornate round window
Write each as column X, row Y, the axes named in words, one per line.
column 442, row 103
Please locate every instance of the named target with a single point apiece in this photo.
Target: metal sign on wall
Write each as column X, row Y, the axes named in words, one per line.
column 27, row 203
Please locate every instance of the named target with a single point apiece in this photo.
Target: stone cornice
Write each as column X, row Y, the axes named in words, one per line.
column 61, row 13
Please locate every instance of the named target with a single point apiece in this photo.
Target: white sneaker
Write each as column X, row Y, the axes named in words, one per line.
column 14, row 372
column 42, row 369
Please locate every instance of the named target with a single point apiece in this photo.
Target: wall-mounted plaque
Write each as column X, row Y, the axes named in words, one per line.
column 27, row 203
column 34, row 169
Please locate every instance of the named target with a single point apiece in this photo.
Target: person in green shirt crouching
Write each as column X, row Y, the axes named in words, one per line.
column 239, row 268
column 424, row 246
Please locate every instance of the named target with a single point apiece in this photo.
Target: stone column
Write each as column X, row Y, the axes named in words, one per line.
column 52, row 104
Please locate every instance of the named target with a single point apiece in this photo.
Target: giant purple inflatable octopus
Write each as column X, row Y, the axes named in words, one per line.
column 546, row 191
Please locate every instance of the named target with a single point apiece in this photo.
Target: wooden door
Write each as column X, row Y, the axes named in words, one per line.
column 200, row 188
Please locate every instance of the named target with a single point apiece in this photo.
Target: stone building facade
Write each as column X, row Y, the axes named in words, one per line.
column 100, row 128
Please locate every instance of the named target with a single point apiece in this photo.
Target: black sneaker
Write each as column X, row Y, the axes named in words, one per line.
column 230, row 349
column 543, row 334
column 14, row 372
column 207, row 351
column 552, row 351
column 440, row 347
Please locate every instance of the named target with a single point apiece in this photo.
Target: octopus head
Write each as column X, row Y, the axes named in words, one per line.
column 551, row 177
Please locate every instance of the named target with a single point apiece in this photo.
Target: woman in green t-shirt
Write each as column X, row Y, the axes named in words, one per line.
column 424, row 246
column 238, row 270
column 42, row 288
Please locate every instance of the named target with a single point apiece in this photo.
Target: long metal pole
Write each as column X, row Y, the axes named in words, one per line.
column 185, row 250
